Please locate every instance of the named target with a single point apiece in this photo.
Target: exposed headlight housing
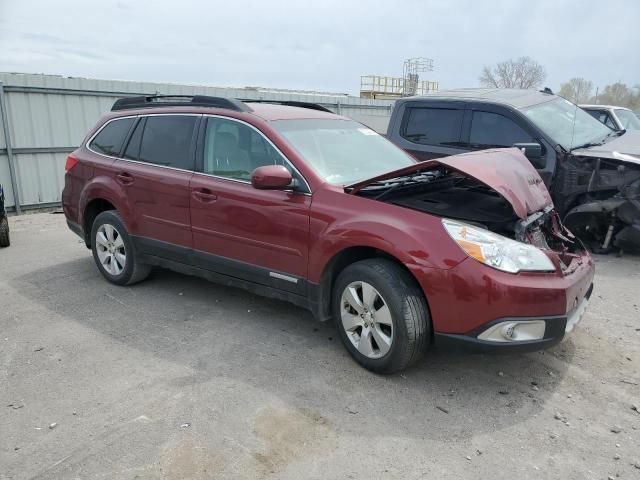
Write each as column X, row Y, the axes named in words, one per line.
column 497, row 251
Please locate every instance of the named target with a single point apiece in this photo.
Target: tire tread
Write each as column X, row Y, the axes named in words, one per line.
column 5, row 239
column 139, row 270
column 415, row 312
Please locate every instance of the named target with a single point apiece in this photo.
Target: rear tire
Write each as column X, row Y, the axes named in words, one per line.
column 114, row 252
column 5, row 240
column 381, row 315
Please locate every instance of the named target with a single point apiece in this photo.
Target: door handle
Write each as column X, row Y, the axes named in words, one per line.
column 124, row 178
column 204, row 195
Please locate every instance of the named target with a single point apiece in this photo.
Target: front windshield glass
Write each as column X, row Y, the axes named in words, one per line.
column 566, row 123
column 628, row 119
column 342, row 151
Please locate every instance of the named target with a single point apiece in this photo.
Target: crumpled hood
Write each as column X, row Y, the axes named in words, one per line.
column 506, row 170
column 626, row 148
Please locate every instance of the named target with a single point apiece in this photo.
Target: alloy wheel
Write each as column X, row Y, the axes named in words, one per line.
column 110, row 249
column 366, row 319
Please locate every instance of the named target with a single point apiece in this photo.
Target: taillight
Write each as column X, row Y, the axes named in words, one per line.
column 72, row 161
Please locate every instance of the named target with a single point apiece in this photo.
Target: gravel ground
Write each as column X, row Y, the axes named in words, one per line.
column 179, row 378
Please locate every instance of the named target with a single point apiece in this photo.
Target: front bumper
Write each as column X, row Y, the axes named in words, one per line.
column 556, row 328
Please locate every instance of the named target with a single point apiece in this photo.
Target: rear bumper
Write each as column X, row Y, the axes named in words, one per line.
column 556, row 328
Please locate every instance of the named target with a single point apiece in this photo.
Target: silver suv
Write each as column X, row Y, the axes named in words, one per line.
column 616, row 118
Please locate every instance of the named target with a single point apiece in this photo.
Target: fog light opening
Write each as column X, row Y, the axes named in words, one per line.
column 514, row 331
column 508, row 331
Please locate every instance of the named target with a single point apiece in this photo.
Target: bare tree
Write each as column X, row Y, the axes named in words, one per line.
column 578, row 90
column 620, row 95
column 523, row 72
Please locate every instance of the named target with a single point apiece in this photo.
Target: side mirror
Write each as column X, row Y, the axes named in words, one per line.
column 533, row 151
column 271, row 177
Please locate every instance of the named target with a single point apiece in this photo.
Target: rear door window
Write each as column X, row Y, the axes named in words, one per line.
column 166, row 140
column 433, row 126
column 110, row 139
column 489, row 130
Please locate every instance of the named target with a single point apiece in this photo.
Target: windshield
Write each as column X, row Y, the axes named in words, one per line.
column 628, row 119
column 566, row 123
column 342, row 151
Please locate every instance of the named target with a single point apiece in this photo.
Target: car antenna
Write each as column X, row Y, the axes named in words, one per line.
column 573, row 127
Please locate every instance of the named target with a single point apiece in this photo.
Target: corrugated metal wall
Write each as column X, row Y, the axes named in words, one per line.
column 47, row 117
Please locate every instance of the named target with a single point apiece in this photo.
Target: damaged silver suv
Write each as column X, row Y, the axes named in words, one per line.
column 592, row 171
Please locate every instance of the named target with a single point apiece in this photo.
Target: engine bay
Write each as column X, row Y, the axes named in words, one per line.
column 451, row 194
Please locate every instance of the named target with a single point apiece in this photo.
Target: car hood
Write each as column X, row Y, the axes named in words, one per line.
column 505, row 170
column 625, row 148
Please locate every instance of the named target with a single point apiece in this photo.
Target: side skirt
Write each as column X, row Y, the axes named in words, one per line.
column 229, row 272
column 229, row 281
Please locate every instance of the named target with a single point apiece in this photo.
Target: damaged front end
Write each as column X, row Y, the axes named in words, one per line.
column 600, row 199
column 478, row 191
column 545, row 230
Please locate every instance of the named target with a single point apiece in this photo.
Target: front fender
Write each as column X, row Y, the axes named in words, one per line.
column 340, row 221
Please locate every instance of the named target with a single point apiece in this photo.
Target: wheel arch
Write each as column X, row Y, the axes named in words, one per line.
column 100, row 195
column 341, row 260
column 91, row 210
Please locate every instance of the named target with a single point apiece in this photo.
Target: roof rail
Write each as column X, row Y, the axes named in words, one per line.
column 291, row 103
column 179, row 100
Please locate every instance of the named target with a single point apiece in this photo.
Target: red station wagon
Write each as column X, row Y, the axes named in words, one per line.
column 294, row 202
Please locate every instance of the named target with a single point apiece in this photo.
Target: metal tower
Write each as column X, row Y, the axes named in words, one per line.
column 410, row 72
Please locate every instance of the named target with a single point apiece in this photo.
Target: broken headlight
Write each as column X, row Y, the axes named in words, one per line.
column 497, row 251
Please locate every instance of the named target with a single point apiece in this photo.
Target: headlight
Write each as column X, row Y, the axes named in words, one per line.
column 497, row 251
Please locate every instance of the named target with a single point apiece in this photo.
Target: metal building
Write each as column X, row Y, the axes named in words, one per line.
column 44, row 117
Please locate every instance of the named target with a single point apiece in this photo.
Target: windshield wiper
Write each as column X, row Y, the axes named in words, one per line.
column 614, row 133
column 587, row 145
column 428, row 179
column 416, row 136
column 395, row 186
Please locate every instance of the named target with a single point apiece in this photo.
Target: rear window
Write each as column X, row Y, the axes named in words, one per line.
column 433, row 126
column 110, row 139
column 166, row 140
column 495, row 130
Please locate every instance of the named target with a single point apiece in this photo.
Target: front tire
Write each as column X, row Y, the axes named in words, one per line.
column 5, row 241
column 381, row 315
column 114, row 252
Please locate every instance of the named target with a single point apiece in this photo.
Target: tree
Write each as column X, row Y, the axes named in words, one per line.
column 523, row 72
column 620, row 95
column 578, row 90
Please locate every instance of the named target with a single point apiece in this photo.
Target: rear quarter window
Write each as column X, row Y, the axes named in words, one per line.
column 110, row 139
column 433, row 126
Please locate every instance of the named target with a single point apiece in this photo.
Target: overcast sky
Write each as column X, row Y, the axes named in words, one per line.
column 325, row 45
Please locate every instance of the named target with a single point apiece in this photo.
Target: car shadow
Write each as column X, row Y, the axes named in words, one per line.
column 274, row 347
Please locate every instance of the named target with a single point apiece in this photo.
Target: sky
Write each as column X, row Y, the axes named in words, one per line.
column 324, row 45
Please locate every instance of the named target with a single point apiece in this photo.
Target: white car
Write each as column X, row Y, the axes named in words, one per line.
column 616, row 118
